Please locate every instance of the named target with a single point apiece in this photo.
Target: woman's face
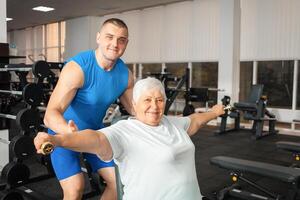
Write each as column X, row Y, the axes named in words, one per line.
column 150, row 107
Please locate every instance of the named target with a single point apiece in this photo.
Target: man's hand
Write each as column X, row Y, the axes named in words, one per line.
column 72, row 127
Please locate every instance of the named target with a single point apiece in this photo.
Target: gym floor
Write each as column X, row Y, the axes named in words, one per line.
column 211, row 178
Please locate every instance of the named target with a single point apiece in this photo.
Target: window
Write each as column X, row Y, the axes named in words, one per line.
column 206, row 75
column 55, row 41
column 45, row 42
column 151, row 68
column 246, row 76
column 133, row 69
column 62, row 40
column 177, row 70
column 277, row 77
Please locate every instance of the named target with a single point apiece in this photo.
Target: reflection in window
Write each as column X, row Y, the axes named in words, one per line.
column 133, row 70
column 130, row 67
column 177, row 70
column 277, row 77
column 246, row 76
column 206, row 75
column 151, row 68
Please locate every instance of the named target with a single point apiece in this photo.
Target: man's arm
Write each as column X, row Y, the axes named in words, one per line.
column 198, row 120
column 70, row 79
column 89, row 141
column 126, row 98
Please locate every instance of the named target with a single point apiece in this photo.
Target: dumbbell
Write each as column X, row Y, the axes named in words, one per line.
column 21, row 147
column 47, row 148
column 11, row 195
column 32, row 93
column 40, row 69
column 27, row 119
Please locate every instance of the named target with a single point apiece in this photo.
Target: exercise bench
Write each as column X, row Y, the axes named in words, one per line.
column 293, row 147
column 240, row 167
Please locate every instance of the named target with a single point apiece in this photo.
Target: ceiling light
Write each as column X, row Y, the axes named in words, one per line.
column 8, row 19
column 43, row 9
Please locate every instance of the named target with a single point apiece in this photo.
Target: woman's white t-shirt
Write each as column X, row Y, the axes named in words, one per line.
column 155, row 162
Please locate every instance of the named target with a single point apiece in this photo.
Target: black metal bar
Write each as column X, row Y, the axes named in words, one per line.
column 260, row 188
column 175, row 92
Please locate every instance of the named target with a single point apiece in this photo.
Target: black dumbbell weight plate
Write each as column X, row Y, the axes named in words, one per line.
column 28, row 119
column 22, row 146
column 15, row 173
column 33, row 94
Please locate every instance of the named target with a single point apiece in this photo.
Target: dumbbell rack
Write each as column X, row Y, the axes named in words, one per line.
column 19, row 147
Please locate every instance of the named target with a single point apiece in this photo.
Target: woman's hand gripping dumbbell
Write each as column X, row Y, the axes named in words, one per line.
column 44, row 143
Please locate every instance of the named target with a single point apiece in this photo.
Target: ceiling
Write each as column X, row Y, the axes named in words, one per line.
column 23, row 15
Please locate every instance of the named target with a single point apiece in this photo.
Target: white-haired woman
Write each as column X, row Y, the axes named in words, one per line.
column 154, row 152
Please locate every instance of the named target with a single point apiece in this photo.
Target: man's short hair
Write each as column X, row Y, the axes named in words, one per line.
column 118, row 22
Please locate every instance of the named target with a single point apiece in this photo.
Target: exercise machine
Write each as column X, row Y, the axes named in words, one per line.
column 254, row 109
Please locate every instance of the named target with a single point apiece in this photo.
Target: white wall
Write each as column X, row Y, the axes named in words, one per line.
column 189, row 31
column 229, row 50
column 3, row 30
column 270, row 30
column 80, row 35
column 180, row 32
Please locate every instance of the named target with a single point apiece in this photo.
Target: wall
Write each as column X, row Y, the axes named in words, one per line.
column 3, row 30
column 270, row 30
column 81, row 35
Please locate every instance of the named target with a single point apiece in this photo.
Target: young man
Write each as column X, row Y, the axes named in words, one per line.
column 88, row 84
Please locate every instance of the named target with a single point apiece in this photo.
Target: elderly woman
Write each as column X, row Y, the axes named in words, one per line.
column 154, row 152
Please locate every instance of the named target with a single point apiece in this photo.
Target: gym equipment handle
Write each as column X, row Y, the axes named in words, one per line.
column 11, row 92
column 47, row 148
column 8, row 116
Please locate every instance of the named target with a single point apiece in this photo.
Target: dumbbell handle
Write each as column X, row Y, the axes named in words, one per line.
column 47, row 148
column 228, row 107
column 11, row 92
column 8, row 116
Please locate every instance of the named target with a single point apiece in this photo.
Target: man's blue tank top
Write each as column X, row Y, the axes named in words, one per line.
column 100, row 89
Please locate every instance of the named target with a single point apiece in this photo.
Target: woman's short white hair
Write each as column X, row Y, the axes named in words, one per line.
column 145, row 85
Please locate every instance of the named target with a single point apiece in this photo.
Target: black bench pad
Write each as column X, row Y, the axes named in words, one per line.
column 285, row 174
column 289, row 146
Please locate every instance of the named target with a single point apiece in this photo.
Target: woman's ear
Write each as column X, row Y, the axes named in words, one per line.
column 133, row 107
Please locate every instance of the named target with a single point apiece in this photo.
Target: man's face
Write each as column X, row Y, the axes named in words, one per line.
column 150, row 106
column 112, row 41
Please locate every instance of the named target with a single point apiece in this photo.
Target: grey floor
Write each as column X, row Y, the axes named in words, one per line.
column 211, row 178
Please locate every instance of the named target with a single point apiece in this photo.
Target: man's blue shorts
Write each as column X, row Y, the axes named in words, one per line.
column 66, row 162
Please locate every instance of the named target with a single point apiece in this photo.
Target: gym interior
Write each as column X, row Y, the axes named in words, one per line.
column 243, row 54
